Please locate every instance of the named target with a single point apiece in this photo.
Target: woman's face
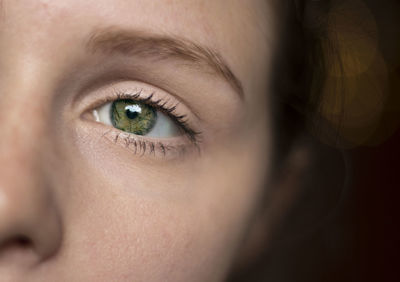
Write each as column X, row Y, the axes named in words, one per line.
column 134, row 136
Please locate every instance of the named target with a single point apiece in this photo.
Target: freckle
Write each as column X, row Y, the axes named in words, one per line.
column 45, row 6
column 54, row 10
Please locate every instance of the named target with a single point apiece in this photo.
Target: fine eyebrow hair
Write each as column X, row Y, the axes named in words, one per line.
column 143, row 44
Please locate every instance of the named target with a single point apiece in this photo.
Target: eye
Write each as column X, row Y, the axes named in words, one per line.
column 137, row 118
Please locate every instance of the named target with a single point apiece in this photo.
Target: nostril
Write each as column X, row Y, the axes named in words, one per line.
column 20, row 242
column 23, row 241
column 18, row 251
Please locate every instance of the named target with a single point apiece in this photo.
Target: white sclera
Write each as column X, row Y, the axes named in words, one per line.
column 163, row 128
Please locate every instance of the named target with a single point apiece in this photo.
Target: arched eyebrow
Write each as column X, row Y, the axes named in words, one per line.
column 160, row 47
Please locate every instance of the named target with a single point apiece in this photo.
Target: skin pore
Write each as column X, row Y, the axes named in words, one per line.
column 83, row 201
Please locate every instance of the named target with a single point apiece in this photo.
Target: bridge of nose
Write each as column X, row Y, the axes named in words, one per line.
column 29, row 76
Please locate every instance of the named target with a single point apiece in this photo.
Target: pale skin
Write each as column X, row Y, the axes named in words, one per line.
column 90, row 208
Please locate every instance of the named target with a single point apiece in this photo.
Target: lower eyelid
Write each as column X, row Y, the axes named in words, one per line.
column 142, row 146
column 168, row 148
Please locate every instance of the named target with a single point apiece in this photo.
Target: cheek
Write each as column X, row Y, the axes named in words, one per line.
column 183, row 220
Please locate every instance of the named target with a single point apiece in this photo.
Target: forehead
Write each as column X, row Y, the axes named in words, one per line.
column 207, row 18
column 239, row 30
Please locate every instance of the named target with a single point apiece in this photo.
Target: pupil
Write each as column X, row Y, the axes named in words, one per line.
column 131, row 114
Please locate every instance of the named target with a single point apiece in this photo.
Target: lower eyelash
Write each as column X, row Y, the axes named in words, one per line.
column 142, row 147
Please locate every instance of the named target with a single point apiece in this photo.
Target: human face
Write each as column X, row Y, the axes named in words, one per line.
column 83, row 201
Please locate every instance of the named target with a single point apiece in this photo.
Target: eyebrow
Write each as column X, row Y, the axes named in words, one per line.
column 148, row 45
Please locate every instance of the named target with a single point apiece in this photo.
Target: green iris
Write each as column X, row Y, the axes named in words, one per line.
column 133, row 117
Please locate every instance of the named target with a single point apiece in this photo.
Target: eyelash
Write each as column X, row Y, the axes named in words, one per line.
column 160, row 104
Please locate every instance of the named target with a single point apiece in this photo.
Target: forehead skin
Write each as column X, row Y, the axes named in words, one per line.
column 172, row 221
column 229, row 26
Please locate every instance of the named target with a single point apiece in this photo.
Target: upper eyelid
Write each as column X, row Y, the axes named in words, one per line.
column 119, row 95
column 116, row 77
column 112, row 86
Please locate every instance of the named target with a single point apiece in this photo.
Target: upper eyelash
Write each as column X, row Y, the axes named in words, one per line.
column 162, row 105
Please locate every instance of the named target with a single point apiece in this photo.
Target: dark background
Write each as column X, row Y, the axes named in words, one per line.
column 377, row 168
column 347, row 227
